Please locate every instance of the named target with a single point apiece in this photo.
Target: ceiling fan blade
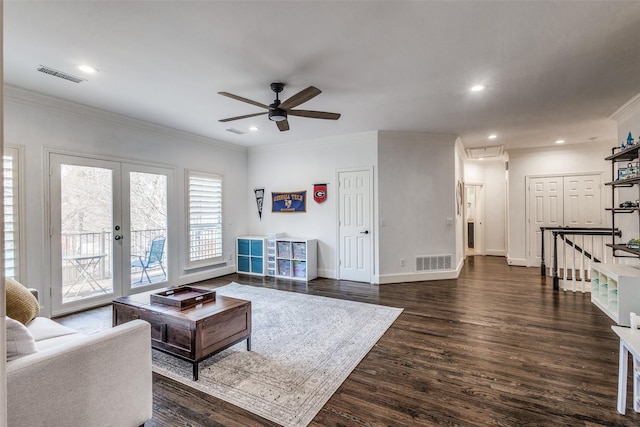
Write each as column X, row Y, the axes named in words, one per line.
column 315, row 114
column 300, row 97
column 242, row 117
column 283, row 125
column 239, row 98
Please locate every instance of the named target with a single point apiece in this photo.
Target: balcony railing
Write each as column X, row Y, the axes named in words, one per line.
column 101, row 243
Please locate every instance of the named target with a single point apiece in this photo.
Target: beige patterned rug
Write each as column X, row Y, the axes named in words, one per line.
column 302, row 348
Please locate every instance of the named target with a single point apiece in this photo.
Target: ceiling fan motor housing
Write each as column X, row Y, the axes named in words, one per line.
column 277, row 114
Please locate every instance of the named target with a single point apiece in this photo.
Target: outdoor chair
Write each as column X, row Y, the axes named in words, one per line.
column 151, row 258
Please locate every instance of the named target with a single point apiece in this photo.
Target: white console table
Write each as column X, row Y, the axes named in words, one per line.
column 629, row 343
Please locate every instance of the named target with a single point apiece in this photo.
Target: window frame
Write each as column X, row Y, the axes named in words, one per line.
column 207, row 262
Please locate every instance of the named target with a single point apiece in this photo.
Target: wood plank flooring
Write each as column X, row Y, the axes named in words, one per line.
column 495, row 347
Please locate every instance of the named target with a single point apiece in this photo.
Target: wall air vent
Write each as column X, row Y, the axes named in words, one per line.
column 434, row 262
column 60, row 74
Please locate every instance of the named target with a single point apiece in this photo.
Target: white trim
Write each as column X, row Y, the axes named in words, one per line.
column 419, row 277
column 516, row 261
column 495, row 252
column 316, row 143
column 626, row 110
column 83, row 112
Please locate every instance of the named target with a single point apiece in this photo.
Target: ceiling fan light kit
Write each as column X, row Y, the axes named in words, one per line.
column 278, row 111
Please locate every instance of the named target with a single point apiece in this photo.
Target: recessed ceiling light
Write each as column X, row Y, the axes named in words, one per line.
column 253, row 128
column 477, row 88
column 87, row 69
column 492, row 136
column 560, row 141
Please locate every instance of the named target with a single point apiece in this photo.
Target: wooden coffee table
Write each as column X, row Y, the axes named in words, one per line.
column 194, row 333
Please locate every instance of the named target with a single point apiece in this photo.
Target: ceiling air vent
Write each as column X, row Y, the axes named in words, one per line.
column 236, row 131
column 60, row 74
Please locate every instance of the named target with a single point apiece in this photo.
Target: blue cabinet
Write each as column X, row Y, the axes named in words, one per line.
column 250, row 255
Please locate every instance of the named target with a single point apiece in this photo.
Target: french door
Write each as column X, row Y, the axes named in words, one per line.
column 108, row 230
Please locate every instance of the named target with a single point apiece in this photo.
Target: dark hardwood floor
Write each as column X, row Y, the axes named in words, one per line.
column 496, row 347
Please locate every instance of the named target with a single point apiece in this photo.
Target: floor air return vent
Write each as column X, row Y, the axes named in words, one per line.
column 434, row 262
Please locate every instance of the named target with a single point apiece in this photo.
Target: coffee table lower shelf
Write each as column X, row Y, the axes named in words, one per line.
column 192, row 334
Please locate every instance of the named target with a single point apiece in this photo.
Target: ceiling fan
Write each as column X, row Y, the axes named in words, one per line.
column 279, row 110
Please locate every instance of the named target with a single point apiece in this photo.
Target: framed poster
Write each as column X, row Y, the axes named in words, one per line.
column 295, row 201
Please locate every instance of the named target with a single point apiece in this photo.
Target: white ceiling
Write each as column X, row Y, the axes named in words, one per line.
column 553, row 69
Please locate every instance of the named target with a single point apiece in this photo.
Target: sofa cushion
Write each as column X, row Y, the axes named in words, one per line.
column 20, row 342
column 20, row 302
column 43, row 328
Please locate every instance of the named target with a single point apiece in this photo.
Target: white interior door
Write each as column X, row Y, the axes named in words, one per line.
column 355, row 233
column 546, row 202
column 582, row 201
column 561, row 201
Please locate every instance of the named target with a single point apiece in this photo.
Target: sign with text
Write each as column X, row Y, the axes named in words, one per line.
column 295, row 201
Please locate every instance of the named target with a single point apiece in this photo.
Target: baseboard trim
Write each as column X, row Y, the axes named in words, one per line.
column 520, row 262
column 205, row 275
column 495, row 252
column 422, row 276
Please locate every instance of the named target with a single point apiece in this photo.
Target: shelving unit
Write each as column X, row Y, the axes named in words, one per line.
column 615, row 289
column 296, row 258
column 250, row 252
column 617, row 156
column 271, row 253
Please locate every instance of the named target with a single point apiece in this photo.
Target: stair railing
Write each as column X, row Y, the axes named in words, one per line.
column 579, row 246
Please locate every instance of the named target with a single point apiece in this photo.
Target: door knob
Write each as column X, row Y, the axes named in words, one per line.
column 117, row 237
column 364, row 232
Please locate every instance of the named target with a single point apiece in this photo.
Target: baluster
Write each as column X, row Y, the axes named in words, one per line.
column 582, row 265
column 564, row 263
column 573, row 263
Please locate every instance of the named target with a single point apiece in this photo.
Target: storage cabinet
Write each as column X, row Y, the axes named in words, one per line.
column 250, row 252
column 296, row 258
column 271, row 253
column 615, row 289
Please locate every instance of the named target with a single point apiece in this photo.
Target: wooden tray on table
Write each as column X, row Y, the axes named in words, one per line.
column 183, row 296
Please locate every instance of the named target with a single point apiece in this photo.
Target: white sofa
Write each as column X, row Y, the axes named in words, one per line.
column 103, row 379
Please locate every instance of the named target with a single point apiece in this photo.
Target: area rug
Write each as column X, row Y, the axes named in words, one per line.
column 302, row 348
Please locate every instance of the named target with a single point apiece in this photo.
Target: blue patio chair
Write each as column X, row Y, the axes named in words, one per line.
column 152, row 258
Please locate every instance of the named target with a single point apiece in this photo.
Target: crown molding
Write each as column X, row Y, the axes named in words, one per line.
column 17, row 95
column 630, row 107
column 371, row 136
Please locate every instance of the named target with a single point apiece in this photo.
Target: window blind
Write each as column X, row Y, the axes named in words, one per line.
column 205, row 218
column 11, row 213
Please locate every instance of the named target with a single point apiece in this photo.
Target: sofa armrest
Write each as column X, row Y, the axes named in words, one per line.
column 102, row 379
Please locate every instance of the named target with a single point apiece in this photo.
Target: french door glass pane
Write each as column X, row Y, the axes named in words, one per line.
column 86, row 224
column 148, row 213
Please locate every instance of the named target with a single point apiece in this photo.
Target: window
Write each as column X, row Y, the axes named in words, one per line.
column 12, row 190
column 204, row 216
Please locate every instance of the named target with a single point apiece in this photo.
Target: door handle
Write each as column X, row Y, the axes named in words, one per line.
column 364, row 232
column 117, row 237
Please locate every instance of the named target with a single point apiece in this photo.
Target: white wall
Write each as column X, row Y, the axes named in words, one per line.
column 416, row 196
column 38, row 122
column 491, row 175
column 559, row 160
column 296, row 167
